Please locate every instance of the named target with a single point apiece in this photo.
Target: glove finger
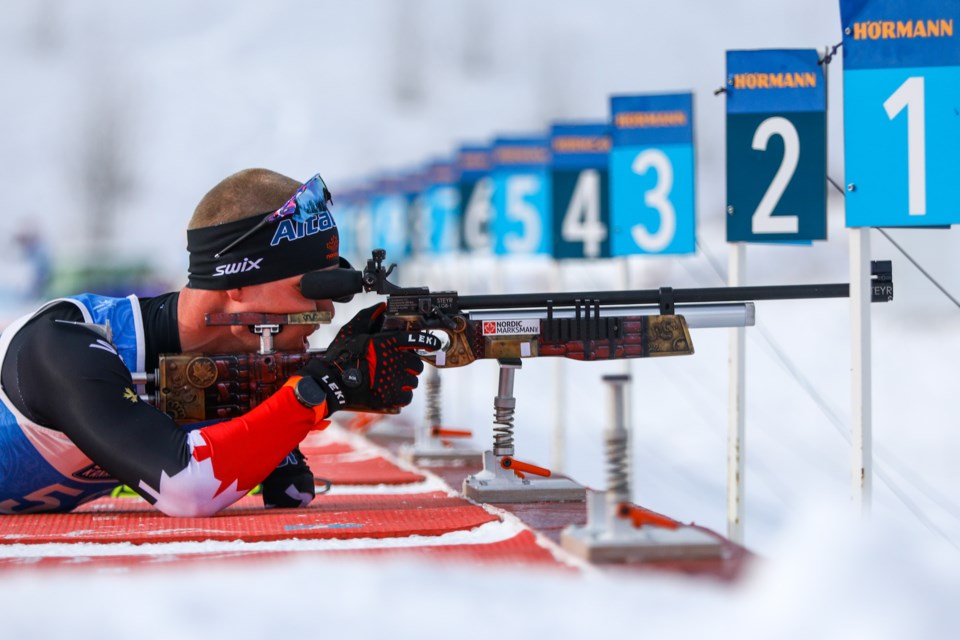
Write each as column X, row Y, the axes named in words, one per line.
column 369, row 320
column 315, row 368
column 419, row 340
column 409, row 383
column 375, row 323
column 412, row 364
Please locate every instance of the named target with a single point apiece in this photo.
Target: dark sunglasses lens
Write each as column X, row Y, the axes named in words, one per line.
column 313, row 199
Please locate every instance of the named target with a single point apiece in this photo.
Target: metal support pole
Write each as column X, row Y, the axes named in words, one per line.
column 559, row 453
column 431, row 440
column 618, row 531
column 736, row 421
column 558, row 461
column 861, row 410
column 504, row 406
column 617, row 442
column 432, row 414
column 499, row 481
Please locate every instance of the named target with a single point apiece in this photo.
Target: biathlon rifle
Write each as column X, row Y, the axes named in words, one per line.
column 592, row 325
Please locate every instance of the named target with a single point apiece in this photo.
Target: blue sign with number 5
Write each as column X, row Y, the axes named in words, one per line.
column 901, row 86
column 652, row 203
column 521, row 196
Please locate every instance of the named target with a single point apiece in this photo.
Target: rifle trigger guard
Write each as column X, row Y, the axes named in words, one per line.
column 458, row 353
column 445, row 320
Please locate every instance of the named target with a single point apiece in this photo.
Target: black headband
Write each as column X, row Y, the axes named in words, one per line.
column 276, row 251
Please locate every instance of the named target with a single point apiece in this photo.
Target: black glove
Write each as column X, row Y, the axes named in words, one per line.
column 290, row 485
column 369, row 320
column 367, row 369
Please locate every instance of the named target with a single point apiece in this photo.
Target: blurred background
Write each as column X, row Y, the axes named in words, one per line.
column 116, row 117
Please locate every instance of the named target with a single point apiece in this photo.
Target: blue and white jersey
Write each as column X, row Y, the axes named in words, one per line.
column 40, row 468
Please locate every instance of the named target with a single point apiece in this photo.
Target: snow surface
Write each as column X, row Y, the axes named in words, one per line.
column 178, row 94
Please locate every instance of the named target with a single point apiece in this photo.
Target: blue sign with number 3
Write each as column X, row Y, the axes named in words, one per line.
column 652, row 204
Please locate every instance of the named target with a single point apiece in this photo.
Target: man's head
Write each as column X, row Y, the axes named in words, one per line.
column 262, row 272
column 231, row 244
column 242, row 195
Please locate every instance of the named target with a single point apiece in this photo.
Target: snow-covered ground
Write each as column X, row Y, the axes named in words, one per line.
column 168, row 98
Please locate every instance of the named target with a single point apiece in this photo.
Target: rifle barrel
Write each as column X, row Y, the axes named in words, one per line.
column 656, row 296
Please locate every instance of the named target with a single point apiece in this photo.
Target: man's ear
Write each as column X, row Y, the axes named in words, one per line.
column 235, row 295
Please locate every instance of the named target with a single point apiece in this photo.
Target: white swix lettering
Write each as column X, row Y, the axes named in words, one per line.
column 237, row 267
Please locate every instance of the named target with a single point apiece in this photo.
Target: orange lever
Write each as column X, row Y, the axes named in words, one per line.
column 640, row 516
column 363, row 421
column 440, row 432
column 520, row 468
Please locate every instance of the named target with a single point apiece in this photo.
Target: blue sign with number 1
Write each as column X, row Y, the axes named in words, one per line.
column 901, row 93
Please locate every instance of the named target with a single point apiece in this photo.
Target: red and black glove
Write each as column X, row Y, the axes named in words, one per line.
column 369, row 320
column 366, row 368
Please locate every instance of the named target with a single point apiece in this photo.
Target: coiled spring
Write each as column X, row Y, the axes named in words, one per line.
column 432, row 414
column 618, row 477
column 504, row 406
column 503, row 410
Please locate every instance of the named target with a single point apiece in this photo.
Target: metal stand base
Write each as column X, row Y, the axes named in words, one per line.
column 417, row 454
column 496, row 484
column 607, row 538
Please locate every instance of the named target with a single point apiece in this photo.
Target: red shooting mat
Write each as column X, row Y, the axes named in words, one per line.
column 519, row 549
column 328, row 517
column 341, row 464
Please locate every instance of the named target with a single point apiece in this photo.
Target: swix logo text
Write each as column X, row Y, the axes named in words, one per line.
column 238, row 267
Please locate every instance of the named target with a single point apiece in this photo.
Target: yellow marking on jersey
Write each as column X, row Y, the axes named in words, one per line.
column 130, row 395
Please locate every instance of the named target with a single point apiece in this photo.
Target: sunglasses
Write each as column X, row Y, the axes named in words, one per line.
column 311, row 198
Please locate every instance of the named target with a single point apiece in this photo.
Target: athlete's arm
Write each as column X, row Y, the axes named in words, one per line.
column 66, row 377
